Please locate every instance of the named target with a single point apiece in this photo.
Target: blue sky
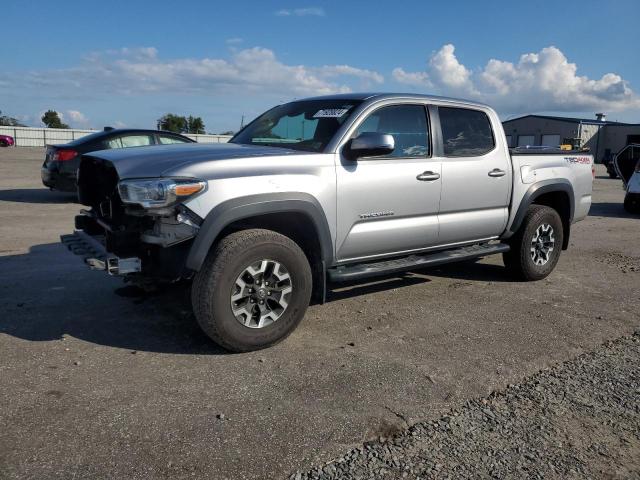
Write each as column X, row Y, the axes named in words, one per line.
column 127, row 63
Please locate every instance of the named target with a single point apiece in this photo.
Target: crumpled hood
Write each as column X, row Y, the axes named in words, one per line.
column 154, row 161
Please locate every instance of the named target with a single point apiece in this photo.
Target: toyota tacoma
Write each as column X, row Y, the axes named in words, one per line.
column 321, row 191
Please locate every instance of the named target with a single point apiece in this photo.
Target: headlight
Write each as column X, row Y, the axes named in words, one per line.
column 158, row 192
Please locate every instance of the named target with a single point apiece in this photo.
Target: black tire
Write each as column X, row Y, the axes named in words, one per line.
column 519, row 260
column 632, row 203
column 3, row 143
column 213, row 284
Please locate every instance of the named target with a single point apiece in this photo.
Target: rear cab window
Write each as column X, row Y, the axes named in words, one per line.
column 465, row 132
column 407, row 124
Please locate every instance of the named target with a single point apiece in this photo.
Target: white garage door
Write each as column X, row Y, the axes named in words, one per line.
column 524, row 140
column 551, row 140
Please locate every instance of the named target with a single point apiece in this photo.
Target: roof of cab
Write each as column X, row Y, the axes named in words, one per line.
column 362, row 96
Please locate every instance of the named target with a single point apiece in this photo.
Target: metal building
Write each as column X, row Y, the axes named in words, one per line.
column 603, row 138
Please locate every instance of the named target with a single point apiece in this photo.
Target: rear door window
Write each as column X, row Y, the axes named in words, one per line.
column 465, row 132
column 406, row 123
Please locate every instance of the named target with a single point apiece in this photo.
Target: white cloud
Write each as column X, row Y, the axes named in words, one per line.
column 136, row 53
column 415, row 79
column 543, row 81
column 301, row 12
column 140, row 71
column 75, row 118
column 447, row 71
column 234, row 41
column 329, row 71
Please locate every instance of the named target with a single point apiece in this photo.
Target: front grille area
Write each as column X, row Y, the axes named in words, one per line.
column 97, row 188
column 97, row 181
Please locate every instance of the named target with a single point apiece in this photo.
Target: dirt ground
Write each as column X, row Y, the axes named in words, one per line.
column 97, row 383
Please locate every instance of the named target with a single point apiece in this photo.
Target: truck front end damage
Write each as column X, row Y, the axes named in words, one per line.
column 136, row 228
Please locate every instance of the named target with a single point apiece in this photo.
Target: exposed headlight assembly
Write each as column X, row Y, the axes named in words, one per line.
column 158, row 192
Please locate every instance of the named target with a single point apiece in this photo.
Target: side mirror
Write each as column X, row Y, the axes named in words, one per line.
column 370, row 144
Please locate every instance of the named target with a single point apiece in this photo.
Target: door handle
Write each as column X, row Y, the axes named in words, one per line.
column 496, row 172
column 428, row 176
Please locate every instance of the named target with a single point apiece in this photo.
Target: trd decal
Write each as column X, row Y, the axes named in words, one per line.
column 585, row 160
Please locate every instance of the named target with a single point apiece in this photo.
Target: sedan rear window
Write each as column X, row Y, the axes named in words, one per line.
column 130, row 141
column 168, row 140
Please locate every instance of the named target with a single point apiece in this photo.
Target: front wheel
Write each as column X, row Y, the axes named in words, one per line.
column 252, row 290
column 535, row 249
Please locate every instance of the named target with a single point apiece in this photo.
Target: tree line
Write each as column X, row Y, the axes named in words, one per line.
column 170, row 121
column 179, row 124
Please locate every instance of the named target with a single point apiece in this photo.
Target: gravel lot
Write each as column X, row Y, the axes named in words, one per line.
column 580, row 419
column 97, row 383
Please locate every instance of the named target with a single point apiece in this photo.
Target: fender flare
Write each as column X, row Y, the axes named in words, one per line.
column 535, row 191
column 253, row 205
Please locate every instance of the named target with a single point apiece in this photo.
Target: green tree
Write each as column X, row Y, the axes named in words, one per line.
column 173, row 123
column 228, row 132
column 195, row 125
column 52, row 120
column 6, row 121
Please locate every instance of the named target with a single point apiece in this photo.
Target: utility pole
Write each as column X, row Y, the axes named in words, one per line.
column 242, row 123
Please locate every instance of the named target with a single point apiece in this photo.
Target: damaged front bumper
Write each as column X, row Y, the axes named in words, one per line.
column 153, row 247
column 146, row 243
column 95, row 255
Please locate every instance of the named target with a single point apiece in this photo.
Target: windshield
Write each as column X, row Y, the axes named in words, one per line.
column 306, row 125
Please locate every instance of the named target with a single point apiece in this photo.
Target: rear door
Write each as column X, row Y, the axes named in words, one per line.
column 476, row 176
column 389, row 204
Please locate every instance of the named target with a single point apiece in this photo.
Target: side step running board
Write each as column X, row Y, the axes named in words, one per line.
column 366, row 270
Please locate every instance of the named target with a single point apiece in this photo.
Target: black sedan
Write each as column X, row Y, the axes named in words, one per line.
column 62, row 161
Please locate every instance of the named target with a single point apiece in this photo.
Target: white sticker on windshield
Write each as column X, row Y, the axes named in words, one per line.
column 331, row 113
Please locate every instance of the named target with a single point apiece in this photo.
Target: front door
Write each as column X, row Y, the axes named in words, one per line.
column 476, row 177
column 389, row 204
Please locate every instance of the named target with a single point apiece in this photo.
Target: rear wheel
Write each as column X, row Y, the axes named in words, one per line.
column 535, row 249
column 252, row 290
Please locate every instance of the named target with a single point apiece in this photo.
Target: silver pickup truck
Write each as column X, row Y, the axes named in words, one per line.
column 325, row 190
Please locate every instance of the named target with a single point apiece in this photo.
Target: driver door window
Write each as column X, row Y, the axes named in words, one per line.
column 407, row 124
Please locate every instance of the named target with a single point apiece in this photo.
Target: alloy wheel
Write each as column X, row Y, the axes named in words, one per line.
column 261, row 294
column 542, row 244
